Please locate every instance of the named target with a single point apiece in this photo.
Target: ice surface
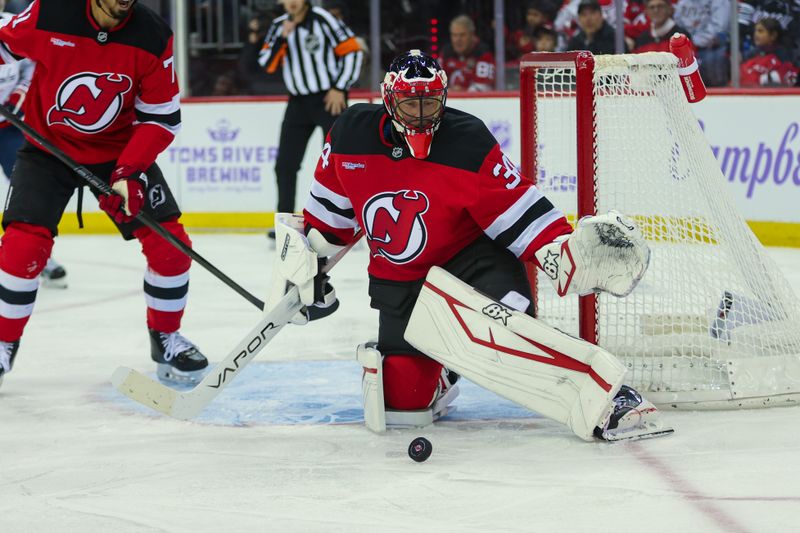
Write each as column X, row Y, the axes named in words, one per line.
column 282, row 448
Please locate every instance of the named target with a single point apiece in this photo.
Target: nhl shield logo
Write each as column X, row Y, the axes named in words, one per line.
column 397, row 152
column 312, row 43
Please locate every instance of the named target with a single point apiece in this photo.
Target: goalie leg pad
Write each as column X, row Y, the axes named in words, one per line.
column 514, row 355
column 371, row 361
column 409, row 380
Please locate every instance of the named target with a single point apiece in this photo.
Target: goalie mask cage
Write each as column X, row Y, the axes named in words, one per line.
column 713, row 323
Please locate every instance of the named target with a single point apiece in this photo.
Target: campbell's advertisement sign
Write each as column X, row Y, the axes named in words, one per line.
column 756, row 140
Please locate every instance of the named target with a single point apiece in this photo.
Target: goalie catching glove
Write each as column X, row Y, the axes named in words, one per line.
column 299, row 261
column 604, row 253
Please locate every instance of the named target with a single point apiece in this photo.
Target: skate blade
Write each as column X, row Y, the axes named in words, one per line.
column 635, row 434
column 60, row 283
column 170, row 374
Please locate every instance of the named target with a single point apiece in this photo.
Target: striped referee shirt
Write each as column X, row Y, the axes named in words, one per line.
column 319, row 54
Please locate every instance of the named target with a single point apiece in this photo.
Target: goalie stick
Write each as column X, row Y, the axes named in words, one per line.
column 188, row 404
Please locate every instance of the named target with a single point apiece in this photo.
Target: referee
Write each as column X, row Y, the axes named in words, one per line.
column 321, row 59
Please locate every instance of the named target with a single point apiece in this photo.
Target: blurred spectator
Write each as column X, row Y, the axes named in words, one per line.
column 469, row 63
column 768, row 64
column 546, row 39
column 337, row 8
column 662, row 27
column 786, row 12
column 595, row 34
column 708, row 22
column 224, row 85
column 254, row 79
column 636, row 20
column 538, row 13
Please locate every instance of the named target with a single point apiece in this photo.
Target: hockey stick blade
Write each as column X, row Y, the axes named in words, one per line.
column 188, row 404
column 144, row 390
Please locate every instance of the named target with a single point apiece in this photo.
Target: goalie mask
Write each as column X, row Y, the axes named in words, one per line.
column 414, row 92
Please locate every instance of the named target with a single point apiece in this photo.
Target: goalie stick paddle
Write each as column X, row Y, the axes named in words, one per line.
column 188, row 404
column 144, row 218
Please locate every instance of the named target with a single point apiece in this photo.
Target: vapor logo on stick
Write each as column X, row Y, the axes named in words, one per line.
column 89, row 102
column 394, row 226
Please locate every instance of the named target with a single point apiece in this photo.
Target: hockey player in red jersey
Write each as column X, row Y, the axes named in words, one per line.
column 430, row 187
column 105, row 93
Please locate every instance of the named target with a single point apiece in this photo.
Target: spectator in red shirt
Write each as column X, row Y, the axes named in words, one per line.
column 768, row 64
column 662, row 27
column 469, row 63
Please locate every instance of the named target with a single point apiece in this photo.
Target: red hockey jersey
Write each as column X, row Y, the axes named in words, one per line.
column 418, row 213
column 473, row 72
column 98, row 95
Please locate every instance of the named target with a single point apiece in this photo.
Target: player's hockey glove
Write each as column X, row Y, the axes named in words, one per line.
column 129, row 185
column 16, row 99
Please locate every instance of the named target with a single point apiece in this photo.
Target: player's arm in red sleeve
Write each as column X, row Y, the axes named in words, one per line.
column 328, row 209
column 158, row 119
column 512, row 211
column 18, row 33
column 158, row 114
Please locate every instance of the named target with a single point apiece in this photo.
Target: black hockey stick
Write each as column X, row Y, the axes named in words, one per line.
column 142, row 217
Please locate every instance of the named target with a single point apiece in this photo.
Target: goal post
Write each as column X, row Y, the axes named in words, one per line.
column 713, row 324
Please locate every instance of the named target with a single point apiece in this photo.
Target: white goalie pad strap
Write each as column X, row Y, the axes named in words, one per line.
column 514, row 355
column 605, row 253
column 371, row 361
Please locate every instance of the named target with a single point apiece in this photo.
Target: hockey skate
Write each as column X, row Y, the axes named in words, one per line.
column 179, row 361
column 8, row 350
column 633, row 418
column 53, row 275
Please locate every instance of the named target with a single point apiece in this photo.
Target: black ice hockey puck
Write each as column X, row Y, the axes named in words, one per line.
column 420, row 449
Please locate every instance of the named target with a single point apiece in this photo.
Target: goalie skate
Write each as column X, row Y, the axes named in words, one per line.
column 633, row 418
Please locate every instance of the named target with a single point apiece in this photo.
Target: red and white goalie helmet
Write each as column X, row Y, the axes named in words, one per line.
column 414, row 92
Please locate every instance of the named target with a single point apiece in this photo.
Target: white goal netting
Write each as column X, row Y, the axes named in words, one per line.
column 713, row 323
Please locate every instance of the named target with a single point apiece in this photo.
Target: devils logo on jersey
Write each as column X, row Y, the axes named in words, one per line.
column 89, row 102
column 394, row 226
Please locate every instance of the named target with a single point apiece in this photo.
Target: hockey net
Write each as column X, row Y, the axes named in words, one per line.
column 713, row 324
